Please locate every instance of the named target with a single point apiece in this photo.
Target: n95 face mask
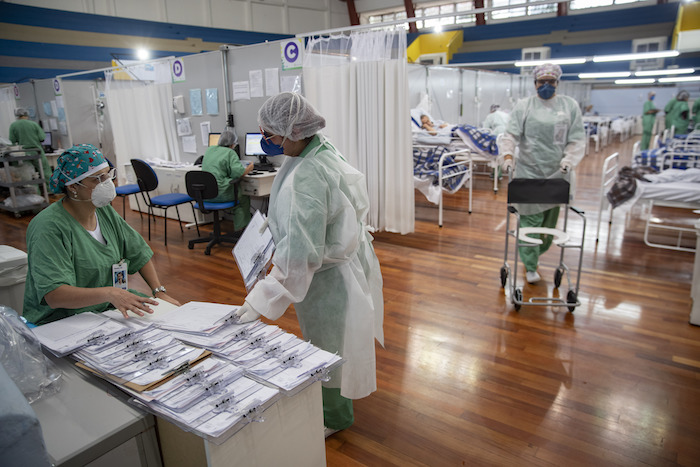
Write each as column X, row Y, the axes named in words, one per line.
column 103, row 194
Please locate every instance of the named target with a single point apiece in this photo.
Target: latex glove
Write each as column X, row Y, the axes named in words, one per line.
column 565, row 167
column 245, row 314
column 507, row 165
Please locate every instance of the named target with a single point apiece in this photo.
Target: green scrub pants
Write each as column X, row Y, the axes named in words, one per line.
column 530, row 254
column 646, row 138
column 241, row 213
column 337, row 410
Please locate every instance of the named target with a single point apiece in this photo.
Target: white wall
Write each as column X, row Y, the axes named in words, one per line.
column 631, row 101
column 275, row 16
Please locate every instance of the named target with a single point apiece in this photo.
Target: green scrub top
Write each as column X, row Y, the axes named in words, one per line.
column 696, row 113
column 224, row 163
column 668, row 110
column 29, row 134
column 61, row 251
column 648, row 119
column 678, row 120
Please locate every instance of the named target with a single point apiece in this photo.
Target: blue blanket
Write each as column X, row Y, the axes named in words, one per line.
column 426, row 163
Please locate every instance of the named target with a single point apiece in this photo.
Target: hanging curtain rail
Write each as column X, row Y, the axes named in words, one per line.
column 424, row 18
column 118, row 67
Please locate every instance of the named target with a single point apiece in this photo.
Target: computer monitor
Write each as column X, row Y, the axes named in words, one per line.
column 214, row 139
column 48, row 140
column 253, row 148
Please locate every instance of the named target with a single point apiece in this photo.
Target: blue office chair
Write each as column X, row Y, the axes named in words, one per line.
column 147, row 182
column 202, row 186
column 125, row 190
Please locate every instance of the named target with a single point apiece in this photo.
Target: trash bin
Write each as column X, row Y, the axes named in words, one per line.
column 13, row 274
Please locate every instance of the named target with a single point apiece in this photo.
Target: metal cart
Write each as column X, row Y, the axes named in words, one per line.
column 21, row 155
column 541, row 191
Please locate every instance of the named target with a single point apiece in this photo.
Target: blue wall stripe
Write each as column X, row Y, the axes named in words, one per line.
column 72, row 52
column 57, row 19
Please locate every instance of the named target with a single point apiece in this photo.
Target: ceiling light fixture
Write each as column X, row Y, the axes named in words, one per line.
column 679, row 79
column 635, row 81
column 554, row 61
column 637, row 56
column 672, row 71
column 612, row 74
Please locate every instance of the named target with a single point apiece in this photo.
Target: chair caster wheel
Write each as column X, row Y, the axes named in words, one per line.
column 190, row 246
column 207, row 252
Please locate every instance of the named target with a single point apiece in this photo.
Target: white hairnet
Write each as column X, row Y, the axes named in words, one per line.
column 20, row 112
column 291, row 116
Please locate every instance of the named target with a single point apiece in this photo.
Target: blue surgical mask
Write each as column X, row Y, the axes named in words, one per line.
column 652, row 98
column 271, row 149
column 546, row 91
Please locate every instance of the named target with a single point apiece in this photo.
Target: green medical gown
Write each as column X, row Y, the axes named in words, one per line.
column 647, row 123
column 224, row 163
column 679, row 117
column 29, row 134
column 696, row 113
column 325, row 264
column 61, row 251
column 668, row 110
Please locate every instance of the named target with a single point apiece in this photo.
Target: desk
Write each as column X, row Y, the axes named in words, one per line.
column 258, row 184
column 292, row 434
column 89, row 420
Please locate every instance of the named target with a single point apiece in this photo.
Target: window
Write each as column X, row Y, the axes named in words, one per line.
column 581, row 4
column 650, row 44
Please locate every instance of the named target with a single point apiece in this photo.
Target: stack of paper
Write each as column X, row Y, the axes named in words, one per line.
column 69, row 334
column 213, row 399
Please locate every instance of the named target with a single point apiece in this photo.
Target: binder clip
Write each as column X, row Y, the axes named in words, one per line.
column 257, row 342
column 215, row 387
column 159, row 362
column 254, row 413
column 193, row 377
column 322, row 374
column 227, row 404
column 97, row 338
column 124, row 337
column 272, row 351
column 144, row 353
column 242, row 335
column 184, row 368
column 291, row 361
column 134, row 342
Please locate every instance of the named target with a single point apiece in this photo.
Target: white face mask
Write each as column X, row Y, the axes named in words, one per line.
column 103, row 194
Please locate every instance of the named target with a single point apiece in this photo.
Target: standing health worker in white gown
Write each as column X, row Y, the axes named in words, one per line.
column 324, row 262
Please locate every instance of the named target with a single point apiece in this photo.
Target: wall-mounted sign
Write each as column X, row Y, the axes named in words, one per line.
column 57, row 87
column 178, row 71
column 292, row 54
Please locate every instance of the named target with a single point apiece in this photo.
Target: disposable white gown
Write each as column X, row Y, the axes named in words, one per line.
column 496, row 122
column 547, row 132
column 325, row 264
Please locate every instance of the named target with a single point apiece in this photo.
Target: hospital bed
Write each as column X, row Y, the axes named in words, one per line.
column 437, row 170
column 470, row 144
column 676, row 185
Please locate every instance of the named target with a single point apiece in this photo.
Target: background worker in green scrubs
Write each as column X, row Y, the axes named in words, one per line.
column 77, row 244
column 29, row 135
column 222, row 161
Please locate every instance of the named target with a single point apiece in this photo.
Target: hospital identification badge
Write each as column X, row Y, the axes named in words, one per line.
column 119, row 275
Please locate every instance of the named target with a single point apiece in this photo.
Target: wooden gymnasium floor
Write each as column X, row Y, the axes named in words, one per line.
column 463, row 379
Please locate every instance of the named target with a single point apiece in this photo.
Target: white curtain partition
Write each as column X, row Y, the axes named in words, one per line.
column 7, row 110
column 141, row 112
column 359, row 84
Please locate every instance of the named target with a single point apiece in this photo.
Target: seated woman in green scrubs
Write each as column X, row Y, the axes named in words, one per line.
column 77, row 246
column 222, row 161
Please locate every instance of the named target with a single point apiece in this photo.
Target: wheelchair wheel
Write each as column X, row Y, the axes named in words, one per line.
column 558, row 274
column 504, row 276
column 517, row 297
column 571, row 300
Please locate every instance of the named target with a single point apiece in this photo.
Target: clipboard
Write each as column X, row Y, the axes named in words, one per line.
column 253, row 251
column 147, row 387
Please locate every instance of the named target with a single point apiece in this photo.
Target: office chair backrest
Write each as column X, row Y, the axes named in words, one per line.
column 145, row 176
column 201, row 185
column 538, row 191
